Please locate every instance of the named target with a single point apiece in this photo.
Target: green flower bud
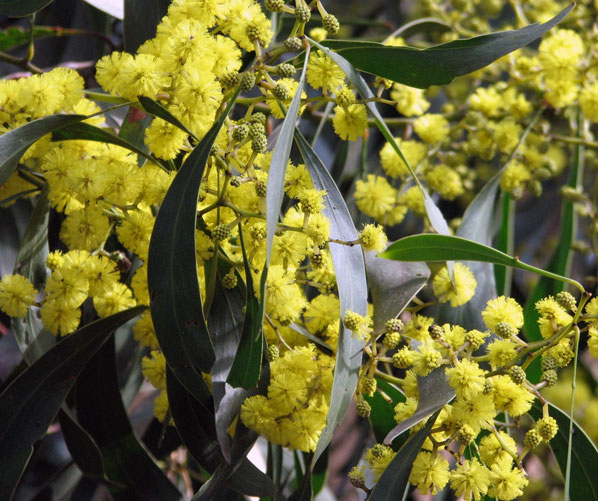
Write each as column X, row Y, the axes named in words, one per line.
column 330, row 24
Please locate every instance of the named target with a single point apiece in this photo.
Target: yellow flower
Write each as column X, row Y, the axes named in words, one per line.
column 430, row 472
column 118, row 298
column 588, row 101
column 323, row 72
column 470, row 480
column 503, row 309
column 17, row 294
column 511, row 397
column 506, row 482
column 445, row 181
column 379, row 457
column 393, row 165
column 410, row 101
column 154, row 369
column 466, row 378
column 375, row 197
column 404, row 410
column 425, row 359
column 350, row 122
column 463, row 289
column 60, row 318
column 593, row 340
column 432, row 128
column 501, row 352
column 135, row 232
column 373, row 238
column 492, row 451
column 514, row 176
column 144, row 333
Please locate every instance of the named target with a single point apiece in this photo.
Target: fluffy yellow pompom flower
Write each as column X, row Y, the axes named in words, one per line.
column 432, row 128
column 552, row 316
column 373, row 238
column 379, row 457
column 375, row 196
column 393, row 165
column 445, row 181
column 501, row 352
column 323, row 72
column 118, row 298
column 410, row 101
column 17, row 294
column 593, row 340
column 503, row 309
column 350, row 122
column 463, row 288
column 430, row 472
column 470, row 480
column 60, row 318
column 466, row 378
column 511, row 397
column 506, row 482
column 154, row 369
column 492, row 451
column 486, row 100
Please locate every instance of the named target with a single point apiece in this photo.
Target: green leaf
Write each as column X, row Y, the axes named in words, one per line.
column 92, row 133
column 81, row 445
column 434, row 394
column 349, row 268
column 30, row 403
column 14, row 36
column 30, row 335
column 504, row 243
column 133, row 128
column 559, row 263
column 440, row 64
column 101, row 413
column 156, row 109
column 584, row 455
column 394, row 481
column 21, row 8
column 434, row 215
column 382, row 416
column 245, row 370
column 393, row 285
column 430, row 248
column 175, row 298
column 16, row 142
column 141, row 20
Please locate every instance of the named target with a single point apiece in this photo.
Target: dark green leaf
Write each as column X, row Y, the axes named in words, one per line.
column 100, row 411
column 92, row 133
column 434, row 215
column 30, row 403
column 434, row 394
column 156, row 109
column 349, row 268
column 21, row 8
column 16, row 142
column 141, row 20
column 175, row 297
column 133, row 128
column 584, row 455
column 440, row 64
column 81, row 445
column 394, row 480
column 559, row 263
column 393, row 285
column 382, row 417
column 429, row 247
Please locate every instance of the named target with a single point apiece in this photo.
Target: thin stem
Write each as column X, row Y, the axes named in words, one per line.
column 572, row 409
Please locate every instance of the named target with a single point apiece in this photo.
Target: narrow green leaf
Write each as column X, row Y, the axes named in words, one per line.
column 430, row 248
column 393, row 285
column 559, row 263
column 16, row 142
column 245, row 370
column 156, row 109
column 133, row 128
column 81, row 445
column 92, row 133
column 434, row 394
column 21, row 8
column 440, row 64
column 278, row 167
column 15, row 35
column 349, row 268
column 504, row 243
column 175, row 298
column 30, row 403
column 382, row 416
column 434, row 215
column 393, row 482
column 141, row 18
column 584, row 455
